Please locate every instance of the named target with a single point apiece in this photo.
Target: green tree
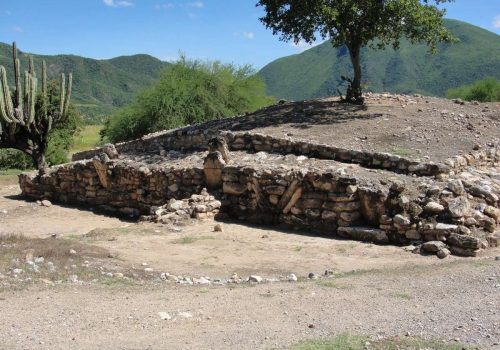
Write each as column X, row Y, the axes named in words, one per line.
column 28, row 117
column 355, row 24
column 189, row 92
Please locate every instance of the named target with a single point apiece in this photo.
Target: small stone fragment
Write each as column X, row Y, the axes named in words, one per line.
column 433, row 208
column 443, row 253
column 255, row 278
column 164, row 316
column 433, row 246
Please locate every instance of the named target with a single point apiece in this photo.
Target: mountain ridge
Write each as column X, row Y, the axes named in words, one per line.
column 103, row 85
column 100, row 85
column 316, row 72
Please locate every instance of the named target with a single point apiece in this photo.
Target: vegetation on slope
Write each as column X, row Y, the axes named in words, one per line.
column 485, row 90
column 100, row 86
column 411, row 69
column 189, row 92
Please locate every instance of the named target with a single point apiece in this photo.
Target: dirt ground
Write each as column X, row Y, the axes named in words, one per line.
column 119, row 301
column 410, row 126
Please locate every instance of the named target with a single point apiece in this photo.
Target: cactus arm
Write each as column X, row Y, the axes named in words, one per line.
column 17, row 75
column 44, row 89
column 68, row 95
column 6, row 108
column 32, row 99
column 62, row 95
column 26, row 95
column 31, row 66
column 49, row 124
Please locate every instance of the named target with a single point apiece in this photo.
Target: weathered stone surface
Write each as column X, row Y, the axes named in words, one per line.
column 275, row 189
column 366, row 234
column 328, row 215
column 110, row 150
column 401, row 221
column 372, row 204
column 463, row 241
column 219, row 144
column 443, row 253
column 433, row 208
column 458, row 207
column 212, row 167
column 293, row 200
column 455, row 250
column 350, row 216
column 493, row 213
column 234, row 188
column 456, row 186
column 493, row 239
column 101, row 168
column 433, row 246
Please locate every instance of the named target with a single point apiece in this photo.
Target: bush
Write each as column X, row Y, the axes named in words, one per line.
column 14, row 159
column 485, row 90
column 189, row 92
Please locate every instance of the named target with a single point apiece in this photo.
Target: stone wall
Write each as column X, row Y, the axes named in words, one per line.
column 196, row 138
column 325, row 202
column 126, row 187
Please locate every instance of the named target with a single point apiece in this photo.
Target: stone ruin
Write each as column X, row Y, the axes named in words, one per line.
column 169, row 177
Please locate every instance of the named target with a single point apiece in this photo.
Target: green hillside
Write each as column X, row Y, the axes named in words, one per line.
column 412, row 69
column 100, row 86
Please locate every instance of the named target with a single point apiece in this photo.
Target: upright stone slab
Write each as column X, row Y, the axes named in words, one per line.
column 219, row 144
column 212, row 167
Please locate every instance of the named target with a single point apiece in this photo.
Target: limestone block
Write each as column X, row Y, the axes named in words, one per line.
column 366, row 234
column 212, row 168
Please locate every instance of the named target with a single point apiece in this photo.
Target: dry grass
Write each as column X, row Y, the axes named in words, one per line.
column 61, row 258
column 356, row 342
column 49, row 248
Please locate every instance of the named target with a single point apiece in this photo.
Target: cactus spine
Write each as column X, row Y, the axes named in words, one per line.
column 25, row 119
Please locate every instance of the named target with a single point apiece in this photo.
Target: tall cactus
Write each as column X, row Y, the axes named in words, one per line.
column 25, row 117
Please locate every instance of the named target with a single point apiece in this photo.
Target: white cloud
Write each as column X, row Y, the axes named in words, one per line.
column 196, row 4
column 117, row 3
column 18, row 29
column 245, row 35
column 303, row 45
column 8, row 13
column 248, row 35
column 496, row 22
column 166, row 6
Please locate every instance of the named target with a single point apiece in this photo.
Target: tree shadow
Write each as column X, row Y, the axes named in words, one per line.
column 81, row 207
column 303, row 114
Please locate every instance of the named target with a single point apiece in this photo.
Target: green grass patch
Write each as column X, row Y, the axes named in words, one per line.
column 404, row 296
column 11, row 172
column 332, row 284
column 357, row 342
column 87, row 138
column 403, row 152
column 192, row 239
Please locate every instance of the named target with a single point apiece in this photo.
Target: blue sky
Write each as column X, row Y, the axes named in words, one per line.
column 227, row 30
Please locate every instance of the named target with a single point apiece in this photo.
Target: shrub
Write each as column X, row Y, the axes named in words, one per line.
column 189, row 92
column 485, row 90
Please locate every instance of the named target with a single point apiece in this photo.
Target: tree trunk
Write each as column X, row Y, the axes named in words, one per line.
column 39, row 160
column 354, row 93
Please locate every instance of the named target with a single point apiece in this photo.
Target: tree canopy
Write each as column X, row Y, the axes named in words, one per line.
column 355, row 24
column 189, row 92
